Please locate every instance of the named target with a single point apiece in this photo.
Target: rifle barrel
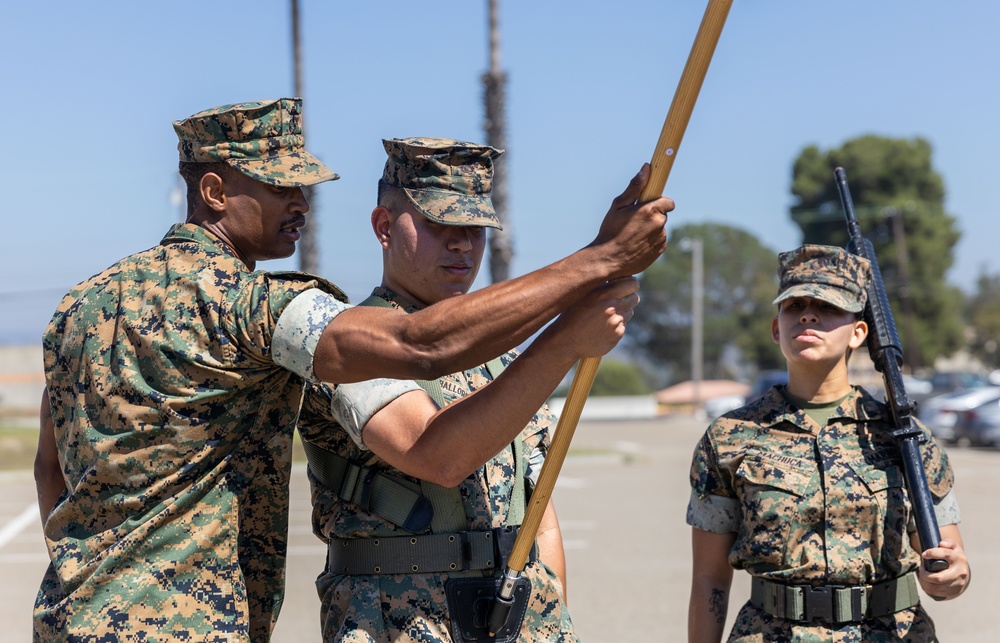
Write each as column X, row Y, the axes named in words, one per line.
column 884, row 349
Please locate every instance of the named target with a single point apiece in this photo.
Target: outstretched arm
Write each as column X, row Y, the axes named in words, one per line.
column 49, row 482
column 445, row 446
column 711, row 579
column 363, row 343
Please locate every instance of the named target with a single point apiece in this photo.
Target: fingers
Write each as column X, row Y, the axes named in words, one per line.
column 663, row 205
column 620, row 287
column 945, row 550
column 619, row 297
column 634, row 189
column 625, row 306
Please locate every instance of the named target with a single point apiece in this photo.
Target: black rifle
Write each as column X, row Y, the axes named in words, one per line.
column 884, row 349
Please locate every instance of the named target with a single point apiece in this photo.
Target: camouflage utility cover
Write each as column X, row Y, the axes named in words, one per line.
column 827, row 273
column 448, row 180
column 174, row 427
column 412, row 607
column 813, row 504
column 262, row 139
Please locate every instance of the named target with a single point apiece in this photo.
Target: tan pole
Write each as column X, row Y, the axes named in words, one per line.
column 663, row 160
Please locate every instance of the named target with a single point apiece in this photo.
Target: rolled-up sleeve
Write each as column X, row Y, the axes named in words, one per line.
column 299, row 328
column 712, row 506
column 717, row 514
column 352, row 405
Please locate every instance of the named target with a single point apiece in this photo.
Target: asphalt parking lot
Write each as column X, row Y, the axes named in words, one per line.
column 620, row 499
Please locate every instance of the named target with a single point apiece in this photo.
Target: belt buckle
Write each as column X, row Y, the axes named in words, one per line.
column 817, row 603
column 821, row 603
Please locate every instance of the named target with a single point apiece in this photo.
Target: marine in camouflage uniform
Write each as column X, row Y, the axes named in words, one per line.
column 173, row 401
column 448, row 182
column 813, row 493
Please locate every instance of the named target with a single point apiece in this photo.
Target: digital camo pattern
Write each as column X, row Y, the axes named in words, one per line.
column 913, row 625
column 448, row 180
column 817, row 505
column 174, row 427
column 262, row 139
column 402, row 608
column 827, row 273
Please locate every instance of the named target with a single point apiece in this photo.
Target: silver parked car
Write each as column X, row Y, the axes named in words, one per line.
column 980, row 425
column 940, row 413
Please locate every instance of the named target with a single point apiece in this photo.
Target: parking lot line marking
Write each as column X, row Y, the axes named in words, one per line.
column 17, row 525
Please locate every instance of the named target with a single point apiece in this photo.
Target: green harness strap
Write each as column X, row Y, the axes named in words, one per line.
column 398, row 500
column 518, row 499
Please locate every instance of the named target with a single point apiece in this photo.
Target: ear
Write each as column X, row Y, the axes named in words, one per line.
column 382, row 225
column 775, row 335
column 860, row 334
column 212, row 191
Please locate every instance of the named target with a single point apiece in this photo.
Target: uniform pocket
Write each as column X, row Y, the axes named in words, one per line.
column 787, row 474
column 879, row 477
column 884, row 518
column 779, row 507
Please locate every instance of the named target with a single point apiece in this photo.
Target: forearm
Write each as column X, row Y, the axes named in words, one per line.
column 707, row 610
column 473, row 430
column 458, row 333
column 49, row 482
column 550, row 546
column 711, row 580
column 49, row 486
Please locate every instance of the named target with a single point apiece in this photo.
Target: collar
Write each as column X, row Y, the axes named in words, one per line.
column 773, row 409
column 396, row 299
column 194, row 233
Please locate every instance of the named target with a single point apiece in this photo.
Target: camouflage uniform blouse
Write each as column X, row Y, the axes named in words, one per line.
column 815, row 505
column 174, row 426
column 412, row 607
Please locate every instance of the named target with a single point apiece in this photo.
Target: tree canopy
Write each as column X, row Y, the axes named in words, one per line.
column 616, row 377
column 899, row 200
column 984, row 318
column 740, row 282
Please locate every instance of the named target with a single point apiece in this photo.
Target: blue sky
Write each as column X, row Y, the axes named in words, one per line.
column 90, row 90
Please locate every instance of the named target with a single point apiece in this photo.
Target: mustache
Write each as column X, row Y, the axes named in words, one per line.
column 297, row 222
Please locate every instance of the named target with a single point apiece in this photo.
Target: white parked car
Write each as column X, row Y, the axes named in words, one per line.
column 718, row 406
column 980, row 425
column 940, row 412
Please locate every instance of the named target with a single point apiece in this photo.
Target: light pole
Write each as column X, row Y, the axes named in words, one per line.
column 696, row 247
column 309, row 243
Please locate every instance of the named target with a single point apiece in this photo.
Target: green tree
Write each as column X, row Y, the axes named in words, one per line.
column 616, row 377
column 899, row 199
column 739, row 285
column 984, row 319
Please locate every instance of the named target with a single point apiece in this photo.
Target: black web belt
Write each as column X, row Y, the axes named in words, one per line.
column 834, row 604
column 425, row 554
